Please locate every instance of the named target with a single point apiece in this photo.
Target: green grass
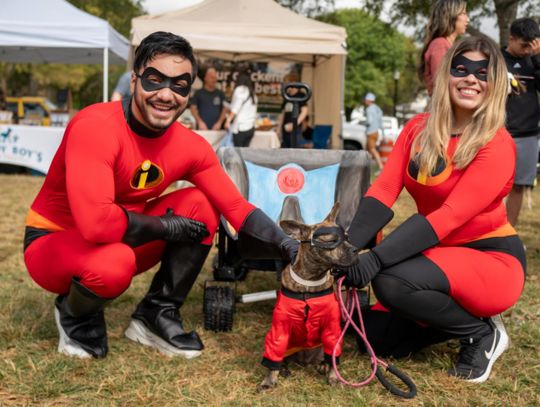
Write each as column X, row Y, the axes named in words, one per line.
column 33, row 373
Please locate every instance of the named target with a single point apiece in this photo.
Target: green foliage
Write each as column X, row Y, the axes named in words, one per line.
column 375, row 51
column 308, row 8
column 117, row 12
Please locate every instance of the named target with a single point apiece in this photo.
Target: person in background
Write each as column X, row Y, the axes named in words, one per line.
column 3, row 104
column 374, row 127
column 243, row 111
column 122, row 89
column 103, row 214
column 208, row 103
column 522, row 56
column 452, row 268
column 448, row 20
column 285, row 124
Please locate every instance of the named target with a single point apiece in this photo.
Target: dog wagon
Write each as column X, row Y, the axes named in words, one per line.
column 292, row 184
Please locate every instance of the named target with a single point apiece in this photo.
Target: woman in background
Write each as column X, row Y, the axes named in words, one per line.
column 447, row 21
column 243, row 112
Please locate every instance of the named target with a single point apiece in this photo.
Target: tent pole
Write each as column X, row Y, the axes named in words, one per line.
column 105, row 74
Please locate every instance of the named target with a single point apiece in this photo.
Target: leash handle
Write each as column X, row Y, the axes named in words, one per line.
column 392, row 388
column 347, row 310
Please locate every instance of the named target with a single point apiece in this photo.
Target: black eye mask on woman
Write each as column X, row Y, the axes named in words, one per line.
column 152, row 80
column 462, row 66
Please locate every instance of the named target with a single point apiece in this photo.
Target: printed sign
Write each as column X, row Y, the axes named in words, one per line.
column 267, row 78
column 29, row 146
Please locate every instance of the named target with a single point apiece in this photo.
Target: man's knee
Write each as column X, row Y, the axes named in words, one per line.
column 109, row 273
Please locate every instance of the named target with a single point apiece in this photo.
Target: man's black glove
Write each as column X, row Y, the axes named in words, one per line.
column 177, row 228
column 289, row 249
column 169, row 227
column 361, row 272
column 260, row 237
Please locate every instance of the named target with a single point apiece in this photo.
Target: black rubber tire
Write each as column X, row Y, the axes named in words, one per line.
column 218, row 308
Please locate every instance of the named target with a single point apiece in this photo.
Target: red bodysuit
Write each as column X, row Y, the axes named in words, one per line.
column 302, row 324
column 103, row 165
column 463, row 207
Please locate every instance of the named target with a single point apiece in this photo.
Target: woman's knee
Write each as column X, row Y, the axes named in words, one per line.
column 392, row 292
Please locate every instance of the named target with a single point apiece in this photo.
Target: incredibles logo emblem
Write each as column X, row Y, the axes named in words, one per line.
column 147, row 175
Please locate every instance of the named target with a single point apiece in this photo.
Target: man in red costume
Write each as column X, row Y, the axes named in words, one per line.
column 102, row 217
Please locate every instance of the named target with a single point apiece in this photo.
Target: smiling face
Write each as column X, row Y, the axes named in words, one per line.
column 158, row 109
column 467, row 90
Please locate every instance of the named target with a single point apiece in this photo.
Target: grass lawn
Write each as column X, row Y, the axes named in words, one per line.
column 33, row 373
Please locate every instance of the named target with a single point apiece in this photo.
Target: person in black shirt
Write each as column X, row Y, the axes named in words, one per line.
column 522, row 56
column 207, row 104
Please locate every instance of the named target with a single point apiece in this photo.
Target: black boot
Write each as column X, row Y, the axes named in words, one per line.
column 81, row 322
column 156, row 322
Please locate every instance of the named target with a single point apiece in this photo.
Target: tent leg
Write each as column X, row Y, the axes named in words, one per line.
column 105, row 74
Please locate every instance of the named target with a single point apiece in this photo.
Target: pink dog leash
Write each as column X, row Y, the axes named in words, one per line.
column 347, row 310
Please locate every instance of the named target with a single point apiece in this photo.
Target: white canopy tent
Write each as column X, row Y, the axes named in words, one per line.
column 47, row 31
column 262, row 31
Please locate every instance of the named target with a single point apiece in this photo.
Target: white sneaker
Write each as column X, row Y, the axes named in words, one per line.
column 497, row 322
column 138, row 332
column 65, row 344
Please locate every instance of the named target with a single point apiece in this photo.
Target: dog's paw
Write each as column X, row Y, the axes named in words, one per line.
column 324, row 368
column 284, row 372
column 264, row 386
column 332, row 378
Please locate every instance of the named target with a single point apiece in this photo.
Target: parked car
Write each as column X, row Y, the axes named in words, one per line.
column 354, row 132
column 33, row 110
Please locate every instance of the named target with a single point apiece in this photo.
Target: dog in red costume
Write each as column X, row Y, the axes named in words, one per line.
column 307, row 313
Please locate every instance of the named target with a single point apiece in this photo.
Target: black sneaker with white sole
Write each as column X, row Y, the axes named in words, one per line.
column 477, row 355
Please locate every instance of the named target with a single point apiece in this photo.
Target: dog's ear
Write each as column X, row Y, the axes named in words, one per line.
column 295, row 229
column 331, row 218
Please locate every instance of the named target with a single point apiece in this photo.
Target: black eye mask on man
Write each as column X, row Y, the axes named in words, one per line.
column 462, row 66
column 152, row 80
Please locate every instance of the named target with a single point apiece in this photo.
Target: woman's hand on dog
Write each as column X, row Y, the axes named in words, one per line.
column 361, row 272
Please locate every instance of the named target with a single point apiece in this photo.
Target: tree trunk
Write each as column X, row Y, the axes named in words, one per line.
column 506, row 11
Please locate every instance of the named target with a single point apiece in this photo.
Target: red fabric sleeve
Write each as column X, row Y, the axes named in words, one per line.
column 388, row 185
column 208, row 175
column 482, row 182
column 90, row 157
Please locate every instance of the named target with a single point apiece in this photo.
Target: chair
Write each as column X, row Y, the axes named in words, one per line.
column 295, row 184
column 321, row 136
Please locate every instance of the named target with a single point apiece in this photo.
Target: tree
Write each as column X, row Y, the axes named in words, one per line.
column 409, row 11
column 308, row 8
column 374, row 51
column 117, row 12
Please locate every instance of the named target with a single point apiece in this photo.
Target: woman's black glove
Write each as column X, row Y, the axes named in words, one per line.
column 361, row 272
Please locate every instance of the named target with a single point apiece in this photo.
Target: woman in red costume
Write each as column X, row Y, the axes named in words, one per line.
column 102, row 217
column 457, row 264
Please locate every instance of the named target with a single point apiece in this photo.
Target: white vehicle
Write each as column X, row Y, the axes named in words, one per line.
column 354, row 132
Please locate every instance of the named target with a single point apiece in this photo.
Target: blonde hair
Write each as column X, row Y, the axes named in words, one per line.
column 432, row 141
column 442, row 23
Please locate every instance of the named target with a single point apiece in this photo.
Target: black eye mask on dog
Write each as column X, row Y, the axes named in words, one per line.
column 336, row 233
column 462, row 66
column 152, row 80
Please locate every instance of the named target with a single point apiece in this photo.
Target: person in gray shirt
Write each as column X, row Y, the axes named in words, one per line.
column 207, row 104
column 374, row 127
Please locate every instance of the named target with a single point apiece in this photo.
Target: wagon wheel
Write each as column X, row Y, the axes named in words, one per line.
column 218, row 308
